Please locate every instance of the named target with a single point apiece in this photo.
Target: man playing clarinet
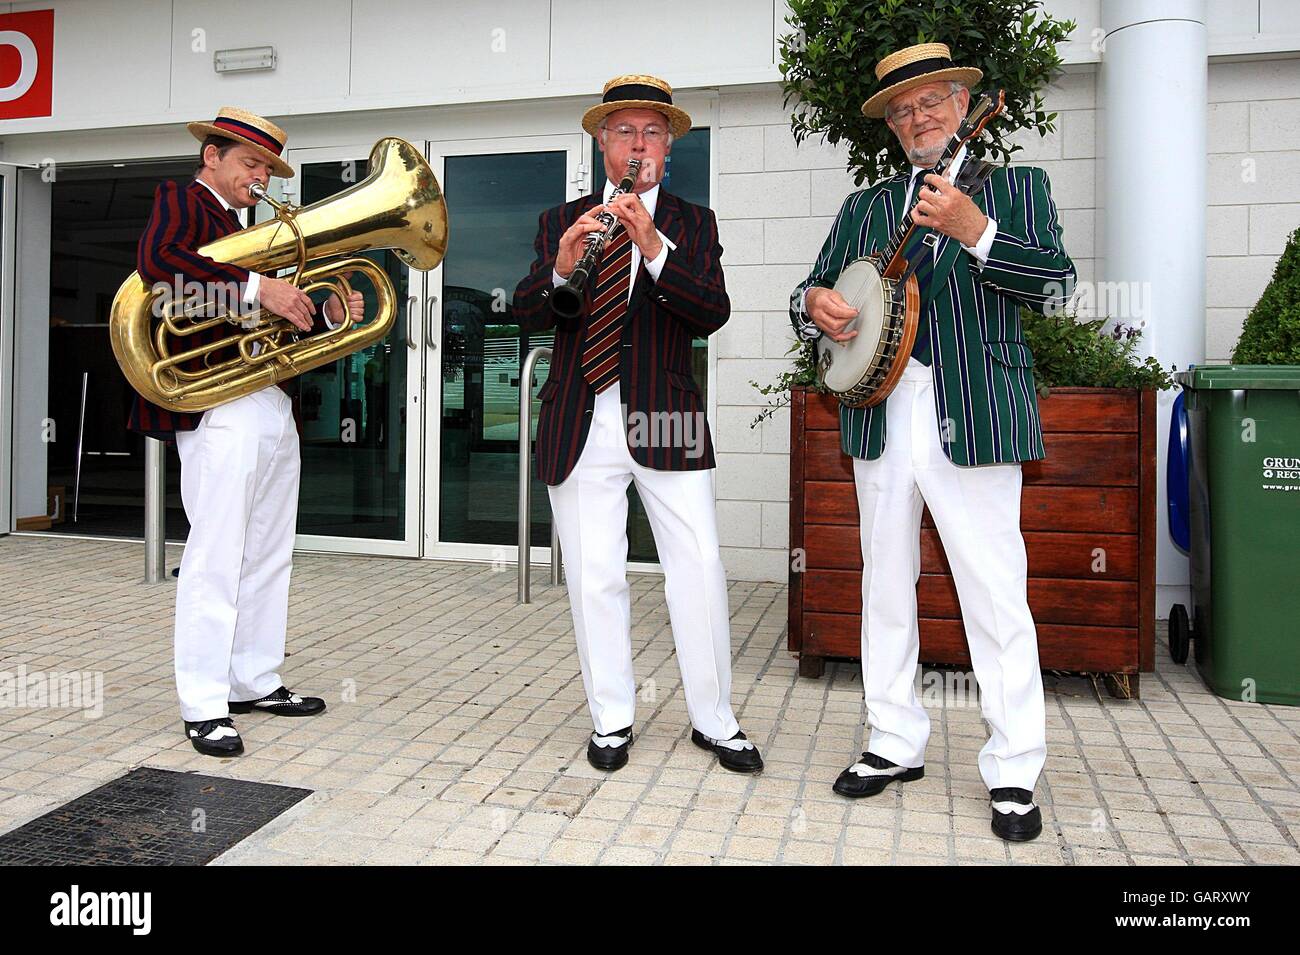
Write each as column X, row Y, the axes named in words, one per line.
column 621, row 407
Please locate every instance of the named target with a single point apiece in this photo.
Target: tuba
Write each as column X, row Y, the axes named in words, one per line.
column 398, row 206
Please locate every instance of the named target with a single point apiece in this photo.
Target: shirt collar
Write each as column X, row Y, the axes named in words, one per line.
column 649, row 198
column 224, row 204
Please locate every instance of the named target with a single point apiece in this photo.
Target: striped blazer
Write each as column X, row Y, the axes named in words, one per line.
column 183, row 219
column 986, row 408
column 664, row 418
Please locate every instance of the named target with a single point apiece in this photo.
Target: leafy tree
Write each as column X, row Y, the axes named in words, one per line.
column 828, row 67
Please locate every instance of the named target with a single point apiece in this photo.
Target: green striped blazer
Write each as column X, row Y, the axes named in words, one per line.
column 986, row 408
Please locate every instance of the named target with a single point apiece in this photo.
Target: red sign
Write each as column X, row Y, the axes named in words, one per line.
column 26, row 63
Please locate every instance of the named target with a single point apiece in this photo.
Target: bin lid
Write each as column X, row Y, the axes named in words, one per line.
column 1235, row 377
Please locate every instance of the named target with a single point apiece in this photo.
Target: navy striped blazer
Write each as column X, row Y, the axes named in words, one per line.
column 665, row 420
column 183, row 219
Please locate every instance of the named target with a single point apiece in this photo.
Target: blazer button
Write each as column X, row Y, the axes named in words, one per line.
column 662, row 300
column 546, row 293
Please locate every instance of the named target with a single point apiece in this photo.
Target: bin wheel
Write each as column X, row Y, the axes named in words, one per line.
column 1180, row 633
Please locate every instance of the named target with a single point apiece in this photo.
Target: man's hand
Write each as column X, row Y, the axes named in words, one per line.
column 945, row 208
column 635, row 217
column 574, row 241
column 283, row 299
column 829, row 312
column 356, row 308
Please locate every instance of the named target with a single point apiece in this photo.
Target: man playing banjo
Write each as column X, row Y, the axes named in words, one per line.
column 952, row 433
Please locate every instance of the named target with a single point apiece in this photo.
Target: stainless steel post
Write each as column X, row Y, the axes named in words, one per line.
column 526, row 468
column 155, row 513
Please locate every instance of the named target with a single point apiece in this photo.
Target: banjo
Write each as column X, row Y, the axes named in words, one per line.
column 862, row 371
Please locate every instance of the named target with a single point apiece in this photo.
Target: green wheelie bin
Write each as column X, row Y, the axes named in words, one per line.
column 1244, row 489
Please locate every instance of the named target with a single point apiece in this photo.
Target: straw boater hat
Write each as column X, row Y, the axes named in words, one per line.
column 912, row 67
column 250, row 129
column 638, row 91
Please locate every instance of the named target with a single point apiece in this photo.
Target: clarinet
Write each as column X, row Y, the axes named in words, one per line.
column 567, row 299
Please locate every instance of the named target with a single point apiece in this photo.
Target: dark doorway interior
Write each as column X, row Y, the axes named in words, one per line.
column 97, row 216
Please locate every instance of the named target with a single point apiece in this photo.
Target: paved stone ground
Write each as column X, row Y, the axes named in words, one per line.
column 457, row 727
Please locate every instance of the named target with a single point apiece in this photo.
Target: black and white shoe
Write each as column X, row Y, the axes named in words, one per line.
column 871, row 774
column 608, row 753
column 281, row 703
column 214, row 737
column 1015, row 817
column 737, row 754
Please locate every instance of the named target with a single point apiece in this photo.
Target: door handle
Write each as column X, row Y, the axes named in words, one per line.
column 430, row 339
column 410, row 338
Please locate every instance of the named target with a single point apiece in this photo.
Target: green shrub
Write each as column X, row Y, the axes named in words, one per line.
column 1271, row 335
column 1072, row 354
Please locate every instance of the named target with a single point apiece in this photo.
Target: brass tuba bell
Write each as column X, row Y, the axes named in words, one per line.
column 398, row 206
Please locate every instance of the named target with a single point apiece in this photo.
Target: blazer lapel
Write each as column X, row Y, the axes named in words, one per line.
column 219, row 212
column 897, row 189
column 949, row 250
column 668, row 220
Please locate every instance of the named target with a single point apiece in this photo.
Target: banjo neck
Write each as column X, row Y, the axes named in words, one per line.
column 970, row 127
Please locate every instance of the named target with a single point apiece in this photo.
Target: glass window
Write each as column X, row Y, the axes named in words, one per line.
column 493, row 202
column 352, row 412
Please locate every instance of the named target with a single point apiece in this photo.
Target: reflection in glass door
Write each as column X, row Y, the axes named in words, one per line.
column 493, row 201
column 359, row 414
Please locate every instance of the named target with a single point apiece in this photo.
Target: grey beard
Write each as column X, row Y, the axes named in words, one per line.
column 926, row 157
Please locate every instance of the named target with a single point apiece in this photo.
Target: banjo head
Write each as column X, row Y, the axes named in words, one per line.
column 844, row 365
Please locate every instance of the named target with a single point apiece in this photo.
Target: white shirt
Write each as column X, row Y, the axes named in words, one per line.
column 649, row 199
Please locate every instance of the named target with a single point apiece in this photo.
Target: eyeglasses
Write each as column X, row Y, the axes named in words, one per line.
column 623, row 133
column 927, row 104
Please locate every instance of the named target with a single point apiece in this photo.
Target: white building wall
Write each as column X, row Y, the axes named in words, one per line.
column 352, row 67
column 1253, row 188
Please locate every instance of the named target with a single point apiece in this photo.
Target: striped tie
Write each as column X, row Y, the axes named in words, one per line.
column 608, row 306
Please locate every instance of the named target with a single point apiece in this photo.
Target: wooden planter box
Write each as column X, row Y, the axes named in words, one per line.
column 1096, row 489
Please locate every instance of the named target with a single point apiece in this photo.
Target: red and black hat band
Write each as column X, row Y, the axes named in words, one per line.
column 261, row 137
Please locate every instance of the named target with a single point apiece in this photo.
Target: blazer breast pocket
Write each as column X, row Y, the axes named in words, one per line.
column 1011, row 354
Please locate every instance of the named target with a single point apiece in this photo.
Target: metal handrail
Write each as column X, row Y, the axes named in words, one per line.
column 526, row 479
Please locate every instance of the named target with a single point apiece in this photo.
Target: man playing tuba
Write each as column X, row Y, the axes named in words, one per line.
column 239, row 461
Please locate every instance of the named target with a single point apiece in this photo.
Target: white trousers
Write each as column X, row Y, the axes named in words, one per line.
column 239, row 485
column 977, row 513
column 590, row 510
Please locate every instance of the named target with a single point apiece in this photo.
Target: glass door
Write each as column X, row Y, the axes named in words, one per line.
column 361, row 417
column 496, row 189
